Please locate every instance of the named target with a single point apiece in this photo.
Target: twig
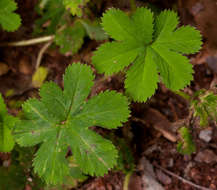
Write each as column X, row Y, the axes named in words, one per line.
column 169, row 135
column 29, row 42
column 41, row 52
column 180, row 178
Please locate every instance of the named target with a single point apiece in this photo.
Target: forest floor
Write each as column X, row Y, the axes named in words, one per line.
column 151, row 131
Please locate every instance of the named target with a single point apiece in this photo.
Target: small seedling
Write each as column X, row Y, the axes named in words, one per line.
column 186, row 144
column 69, row 32
column 9, row 20
column 204, row 106
column 51, row 11
column 154, row 45
column 61, row 119
column 75, row 6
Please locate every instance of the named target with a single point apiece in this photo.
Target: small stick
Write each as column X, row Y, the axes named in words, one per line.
column 169, row 135
column 180, row 178
column 29, row 42
column 41, row 52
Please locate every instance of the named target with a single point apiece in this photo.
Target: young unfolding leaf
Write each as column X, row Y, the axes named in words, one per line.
column 205, row 106
column 153, row 46
column 57, row 21
column 75, row 6
column 61, row 119
column 39, row 76
column 7, row 123
column 9, row 20
column 186, row 144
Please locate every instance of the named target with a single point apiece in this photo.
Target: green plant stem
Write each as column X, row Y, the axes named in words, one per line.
column 133, row 5
column 183, row 95
column 29, row 42
column 127, row 180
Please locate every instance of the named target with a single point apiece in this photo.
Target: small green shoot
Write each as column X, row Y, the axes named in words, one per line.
column 186, row 144
column 204, row 106
column 75, row 6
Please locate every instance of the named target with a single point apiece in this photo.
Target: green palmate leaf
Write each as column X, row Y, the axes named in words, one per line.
column 9, row 20
column 186, row 144
column 71, row 38
column 152, row 46
column 61, row 119
column 7, row 123
column 75, row 6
